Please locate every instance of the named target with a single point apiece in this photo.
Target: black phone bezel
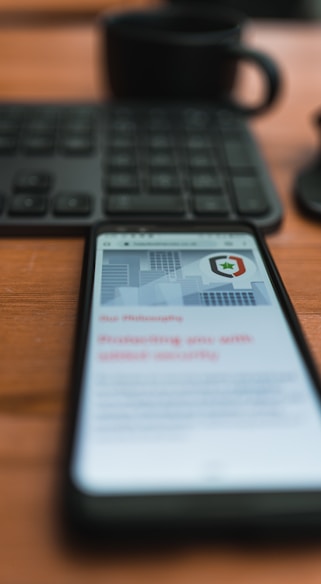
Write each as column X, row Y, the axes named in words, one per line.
column 218, row 510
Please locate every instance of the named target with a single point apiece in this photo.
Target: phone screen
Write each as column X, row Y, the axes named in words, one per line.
column 193, row 381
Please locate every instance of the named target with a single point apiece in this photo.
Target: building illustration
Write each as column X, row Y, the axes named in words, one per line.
column 181, row 278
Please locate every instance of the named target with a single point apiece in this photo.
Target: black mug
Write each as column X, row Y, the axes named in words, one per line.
column 183, row 52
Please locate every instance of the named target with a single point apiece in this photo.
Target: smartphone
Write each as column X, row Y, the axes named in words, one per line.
column 195, row 398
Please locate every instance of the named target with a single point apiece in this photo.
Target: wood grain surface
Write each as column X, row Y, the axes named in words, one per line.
column 33, row 8
column 39, row 282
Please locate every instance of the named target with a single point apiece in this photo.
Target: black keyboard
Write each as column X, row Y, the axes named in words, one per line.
column 66, row 166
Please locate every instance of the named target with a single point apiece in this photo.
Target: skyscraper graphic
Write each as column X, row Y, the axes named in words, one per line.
column 191, row 290
column 228, row 298
column 113, row 276
column 168, row 262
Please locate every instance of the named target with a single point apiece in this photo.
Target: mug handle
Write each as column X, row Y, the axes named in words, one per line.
column 272, row 76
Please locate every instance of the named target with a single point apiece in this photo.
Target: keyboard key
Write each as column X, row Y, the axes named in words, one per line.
column 206, row 182
column 195, row 119
column 37, row 183
column 39, row 127
column 209, row 205
column 144, row 204
column 118, row 143
column 229, row 123
column 76, row 145
column 238, row 156
column 250, row 199
column 37, row 145
column 43, row 112
column 122, row 126
column 158, row 124
column 77, row 127
column 202, row 160
column 163, row 182
column 198, row 142
column 121, row 160
column 161, row 160
column 82, row 112
column 8, row 126
column 72, row 204
column 7, row 144
column 159, row 142
column 124, row 182
column 28, row 205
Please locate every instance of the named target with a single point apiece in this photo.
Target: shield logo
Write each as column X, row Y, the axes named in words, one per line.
column 228, row 266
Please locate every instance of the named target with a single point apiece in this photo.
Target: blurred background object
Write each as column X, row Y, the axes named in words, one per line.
column 278, row 9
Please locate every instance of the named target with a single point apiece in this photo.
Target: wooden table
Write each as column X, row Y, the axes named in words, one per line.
column 39, row 287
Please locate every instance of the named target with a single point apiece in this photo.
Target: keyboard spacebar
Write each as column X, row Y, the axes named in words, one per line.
column 171, row 204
